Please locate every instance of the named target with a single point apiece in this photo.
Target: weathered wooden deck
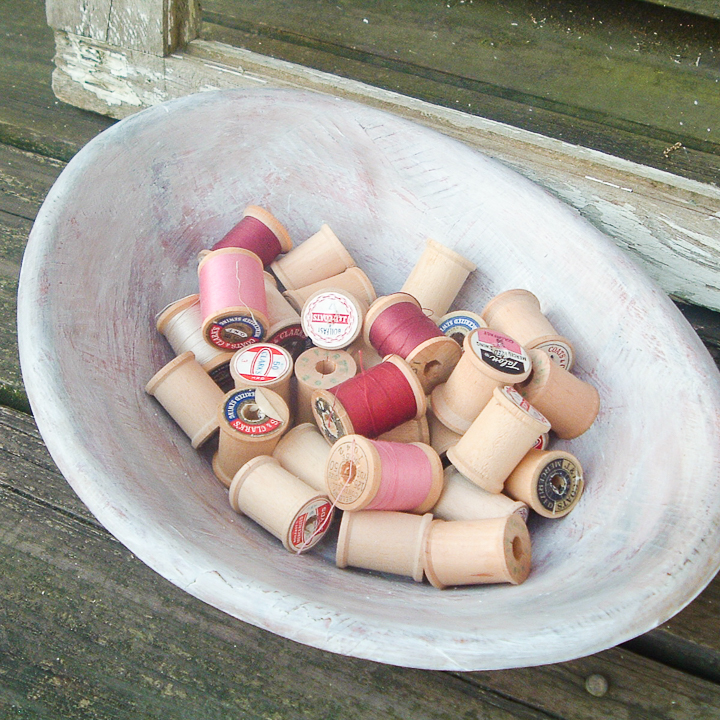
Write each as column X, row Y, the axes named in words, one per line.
column 88, row 631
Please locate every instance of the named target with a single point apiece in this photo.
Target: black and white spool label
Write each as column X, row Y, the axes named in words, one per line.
column 500, row 352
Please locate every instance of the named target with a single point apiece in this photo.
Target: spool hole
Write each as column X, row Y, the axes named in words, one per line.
column 517, row 547
column 431, row 367
column 348, row 472
column 252, row 413
column 326, row 367
column 559, row 483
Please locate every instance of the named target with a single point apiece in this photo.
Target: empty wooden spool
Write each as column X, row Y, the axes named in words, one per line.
column 441, row 436
column 304, row 451
column 383, row 540
column 285, row 506
column 415, row 430
column 478, row 552
column 332, row 319
column 517, row 313
column 352, row 280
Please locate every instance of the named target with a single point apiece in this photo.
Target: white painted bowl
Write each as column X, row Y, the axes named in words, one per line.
column 116, row 241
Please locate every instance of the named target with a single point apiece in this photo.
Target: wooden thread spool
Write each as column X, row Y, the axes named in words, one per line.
column 181, row 324
column 251, row 420
column 498, row 439
column 303, row 451
column 352, row 280
column 395, row 324
column 332, row 319
column 382, row 540
column 232, row 298
column 549, row 481
column 319, row 257
column 478, row 552
column 318, row 369
column 463, row 500
column 437, row 278
column 365, row 356
column 441, row 436
column 189, row 395
column 517, row 313
column 376, row 475
column 285, row 328
column 260, row 232
column 490, row 359
column 570, row 404
column 415, row 430
column 460, row 323
column 284, row 505
column 263, row 365
column 371, row 403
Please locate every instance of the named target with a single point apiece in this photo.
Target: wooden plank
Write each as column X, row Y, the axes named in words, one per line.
column 79, row 601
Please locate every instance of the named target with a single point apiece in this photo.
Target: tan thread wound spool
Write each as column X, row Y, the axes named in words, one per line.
column 318, row 369
column 332, row 319
column 570, row 404
column 550, row 481
column 181, row 325
column 460, row 323
column 252, row 420
column 283, row 504
column 303, row 451
column 437, row 277
column 478, row 552
column 189, row 395
column 463, row 500
column 498, row 439
column 352, row 280
column 285, row 328
column 441, row 436
column 433, row 359
column 415, row 430
column 263, row 365
column 490, row 359
column 383, row 540
column 354, row 474
column 517, row 313
column 319, row 257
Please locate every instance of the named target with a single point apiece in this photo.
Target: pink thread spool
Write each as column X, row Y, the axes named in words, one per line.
column 370, row 403
column 303, row 451
column 498, row 439
column 437, row 278
column 460, row 323
column 570, row 404
column 189, row 395
column 517, row 313
column 285, row 328
column 252, row 421
column 232, row 298
column 181, row 324
column 377, row 475
column 260, row 232
column 549, row 481
column 478, row 552
column 463, row 500
column 281, row 503
column 382, row 540
column 318, row 369
column 263, row 365
column 332, row 319
column 490, row 359
column 319, row 257
column 352, row 280
column 396, row 325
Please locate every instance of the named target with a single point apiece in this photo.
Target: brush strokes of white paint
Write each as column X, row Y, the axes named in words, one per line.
column 116, row 240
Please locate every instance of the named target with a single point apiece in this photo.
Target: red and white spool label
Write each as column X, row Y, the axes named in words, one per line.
column 310, row 524
column 262, row 363
column 514, row 396
column 331, row 320
column 500, row 351
column 558, row 351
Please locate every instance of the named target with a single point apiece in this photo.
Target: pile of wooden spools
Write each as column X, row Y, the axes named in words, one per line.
column 429, row 430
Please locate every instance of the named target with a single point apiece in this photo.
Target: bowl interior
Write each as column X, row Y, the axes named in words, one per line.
column 117, row 240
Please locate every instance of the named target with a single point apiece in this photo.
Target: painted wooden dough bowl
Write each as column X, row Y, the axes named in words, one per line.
column 116, row 241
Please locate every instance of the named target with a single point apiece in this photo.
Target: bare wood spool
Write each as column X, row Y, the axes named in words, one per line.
column 437, row 277
column 415, row 430
column 280, row 502
column 478, row 552
column 352, row 280
column 303, row 451
column 364, row 354
column 189, row 395
column 497, row 440
column 321, row 256
column 285, row 328
column 383, row 540
column 333, row 318
column 441, row 436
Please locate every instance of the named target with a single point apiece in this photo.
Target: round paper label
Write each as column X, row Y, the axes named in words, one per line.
column 310, row 524
column 457, row 326
column 500, row 351
column 331, row 320
column 235, row 332
column 559, row 484
column 559, row 352
column 347, row 472
column 243, row 413
column 262, row 363
column 293, row 339
column 514, row 396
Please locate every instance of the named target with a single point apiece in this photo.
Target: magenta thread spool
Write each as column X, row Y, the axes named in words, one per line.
column 396, row 325
column 370, row 403
column 378, row 475
column 232, row 298
column 260, row 232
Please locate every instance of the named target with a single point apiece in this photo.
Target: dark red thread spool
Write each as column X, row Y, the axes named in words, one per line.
column 396, row 324
column 372, row 402
column 260, row 232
